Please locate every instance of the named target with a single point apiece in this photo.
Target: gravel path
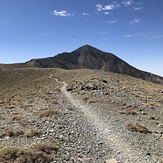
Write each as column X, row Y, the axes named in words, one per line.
column 94, row 121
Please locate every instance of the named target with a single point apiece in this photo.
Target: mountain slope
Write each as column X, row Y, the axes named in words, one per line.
column 86, row 119
column 88, row 57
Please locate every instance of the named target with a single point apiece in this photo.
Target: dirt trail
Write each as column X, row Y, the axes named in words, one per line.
column 105, row 130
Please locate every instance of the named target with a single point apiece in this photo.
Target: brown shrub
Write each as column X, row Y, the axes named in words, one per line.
column 150, row 104
column 2, row 102
column 11, row 133
column 129, row 111
column 136, row 128
column 48, row 113
column 32, row 132
column 1, row 117
column 47, row 147
column 25, row 122
column 16, row 118
column 23, row 155
column 27, row 133
column 69, row 107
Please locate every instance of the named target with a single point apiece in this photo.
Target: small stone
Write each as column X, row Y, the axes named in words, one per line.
column 52, row 130
column 148, row 153
column 111, row 161
column 144, row 113
column 80, row 160
column 86, row 160
column 61, row 137
column 7, row 137
column 160, row 125
column 160, row 160
column 100, row 143
column 152, row 118
column 51, row 92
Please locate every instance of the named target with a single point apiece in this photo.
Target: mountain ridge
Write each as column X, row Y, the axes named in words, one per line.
column 88, row 57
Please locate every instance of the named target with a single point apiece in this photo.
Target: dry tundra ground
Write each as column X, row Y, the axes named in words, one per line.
column 40, row 122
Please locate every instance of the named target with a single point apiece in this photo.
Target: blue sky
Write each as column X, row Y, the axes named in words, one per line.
column 131, row 29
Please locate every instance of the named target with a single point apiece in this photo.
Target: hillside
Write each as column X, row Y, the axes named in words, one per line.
column 88, row 57
column 56, row 115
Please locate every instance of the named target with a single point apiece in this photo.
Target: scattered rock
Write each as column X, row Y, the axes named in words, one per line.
column 75, row 133
column 151, row 118
column 79, row 160
column 157, row 132
column 52, row 131
column 160, row 125
column 144, row 113
column 111, row 161
column 51, row 92
column 160, row 160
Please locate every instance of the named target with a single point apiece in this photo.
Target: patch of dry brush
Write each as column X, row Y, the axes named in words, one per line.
column 129, row 111
column 40, row 152
column 26, row 133
column 137, row 128
column 48, row 113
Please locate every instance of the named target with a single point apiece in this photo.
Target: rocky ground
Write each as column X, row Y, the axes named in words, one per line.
column 90, row 116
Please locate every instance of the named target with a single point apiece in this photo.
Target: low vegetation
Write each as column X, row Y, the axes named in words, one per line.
column 11, row 133
column 135, row 127
column 32, row 132
column 48, row 113
column 129, row 111
column 15, row 133
column 42, row 152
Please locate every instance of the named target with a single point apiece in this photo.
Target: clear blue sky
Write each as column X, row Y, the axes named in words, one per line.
column 131, row 29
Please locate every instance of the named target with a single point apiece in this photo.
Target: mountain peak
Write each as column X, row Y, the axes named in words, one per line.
column 87, row 48
column 88, row 57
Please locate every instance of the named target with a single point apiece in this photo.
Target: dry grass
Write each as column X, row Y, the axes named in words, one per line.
column 32, row 132
column 16, row 118
column 2, row 102
column 46, row 147
column 129, row 111
column 69, row 107
column 136, row 128
column 11, row 133
column 1, row 117
column 48, row 113
column 151, row 104
column 25, row 122
column 40, row 152
column 14, row 133
column 21, row 122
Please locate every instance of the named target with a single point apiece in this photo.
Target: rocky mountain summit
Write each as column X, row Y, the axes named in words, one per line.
column 88, row 57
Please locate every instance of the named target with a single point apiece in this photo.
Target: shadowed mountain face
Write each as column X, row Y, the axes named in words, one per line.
column 87, row 57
